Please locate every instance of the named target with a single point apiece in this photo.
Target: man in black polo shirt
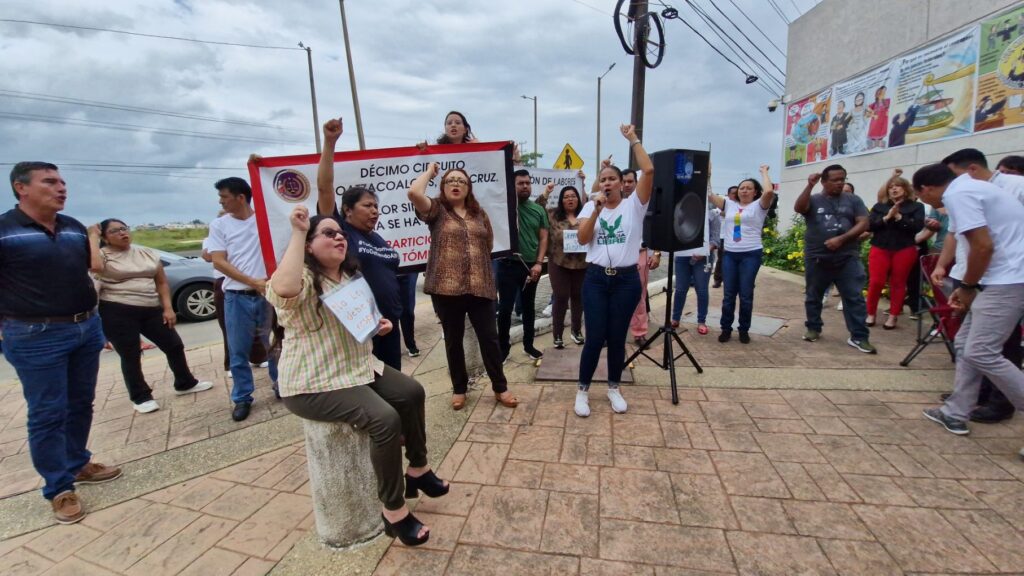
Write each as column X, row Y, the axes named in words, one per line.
column 52, row 335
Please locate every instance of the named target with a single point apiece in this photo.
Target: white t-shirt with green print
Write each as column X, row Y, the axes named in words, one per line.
column 618, row 233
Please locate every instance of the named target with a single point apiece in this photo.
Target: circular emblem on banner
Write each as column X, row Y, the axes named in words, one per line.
column 1011, row 64
column 291, row 185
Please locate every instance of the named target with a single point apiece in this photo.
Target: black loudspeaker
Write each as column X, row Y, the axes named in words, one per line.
column 677, row 213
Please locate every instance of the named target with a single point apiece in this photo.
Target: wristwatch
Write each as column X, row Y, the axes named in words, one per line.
column 976, row 287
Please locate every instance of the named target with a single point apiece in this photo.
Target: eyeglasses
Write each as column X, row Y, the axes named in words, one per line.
column 331, row 233
column 117, row 230
column 459, row 181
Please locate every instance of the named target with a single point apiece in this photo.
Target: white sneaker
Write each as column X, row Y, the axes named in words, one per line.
column 263, row 364
column 546, row 311
column 582, row 403
column 618, row 402
column 199, row 387
column 147, row 407
column 228, row 373
column 839, row 306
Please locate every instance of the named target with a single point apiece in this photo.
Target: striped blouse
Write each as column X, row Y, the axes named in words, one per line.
column 318, row 355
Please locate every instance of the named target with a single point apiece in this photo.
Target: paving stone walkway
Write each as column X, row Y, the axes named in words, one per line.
column 757, row 478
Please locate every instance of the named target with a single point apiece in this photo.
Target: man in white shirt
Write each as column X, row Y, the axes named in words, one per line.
column 234, row 245
column 991, row 293
column 993, row 406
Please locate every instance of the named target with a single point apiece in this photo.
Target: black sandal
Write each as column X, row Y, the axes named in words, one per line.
column 429, row 483
column 407, row 530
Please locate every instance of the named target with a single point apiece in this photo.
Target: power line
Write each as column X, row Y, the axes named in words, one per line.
column 730, row 43
column 758, row 28
column 112, row 106
column 752, row 43
column 137, row 128
column 715, row 48
column 131, row 165
column 162, row 37
column 779, row 11
column 797, row 8
column 594, row 8
column 164, row 175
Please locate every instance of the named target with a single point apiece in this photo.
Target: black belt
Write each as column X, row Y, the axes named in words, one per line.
column 246, row 292
column 611, row 271
column 73, row 319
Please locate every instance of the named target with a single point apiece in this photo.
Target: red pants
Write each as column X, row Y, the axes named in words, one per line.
column 894, row 266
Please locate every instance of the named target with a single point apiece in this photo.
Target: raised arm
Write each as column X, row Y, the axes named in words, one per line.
column 325, row 203
column 597, row 180
column 418, row 189
column 287, row 279
column 95, row 256
column 543, row 198
column 769, row 188
column 645, row 185
column 803, row 201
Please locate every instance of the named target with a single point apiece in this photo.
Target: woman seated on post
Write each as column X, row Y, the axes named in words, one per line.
column 459, row 278
column 328, row 376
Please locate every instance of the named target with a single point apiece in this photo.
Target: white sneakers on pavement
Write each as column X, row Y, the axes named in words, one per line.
column 199, row 387
column 618, row 402
column 147, row 407
column 582, row 404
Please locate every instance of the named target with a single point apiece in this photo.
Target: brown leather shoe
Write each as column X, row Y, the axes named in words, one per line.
column 67, row 508
column 96, row 473
column 458, row 401
column 506, row 399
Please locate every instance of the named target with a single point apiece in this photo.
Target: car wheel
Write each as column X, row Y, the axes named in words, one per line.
column 195, row 303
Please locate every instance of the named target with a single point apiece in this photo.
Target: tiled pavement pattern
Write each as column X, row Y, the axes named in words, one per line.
column 749, row 481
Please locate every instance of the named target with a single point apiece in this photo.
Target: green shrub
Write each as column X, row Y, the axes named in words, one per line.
column 785, row 250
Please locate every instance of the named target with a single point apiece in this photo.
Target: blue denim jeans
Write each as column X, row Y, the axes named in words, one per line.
column 739, row 271
column 688, row 269
column 849, row 277
column 57, row 365
column 608, row 304
column 246, row 315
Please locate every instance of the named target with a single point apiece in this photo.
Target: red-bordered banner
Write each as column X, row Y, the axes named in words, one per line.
column 280, row 183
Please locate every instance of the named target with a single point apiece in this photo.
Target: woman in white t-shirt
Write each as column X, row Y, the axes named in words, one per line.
column 611, row 227
column 741, row 258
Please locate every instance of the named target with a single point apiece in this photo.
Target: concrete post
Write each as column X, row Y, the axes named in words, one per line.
column 343, row 484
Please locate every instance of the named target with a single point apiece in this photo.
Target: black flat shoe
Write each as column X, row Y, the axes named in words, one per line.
column 241, row 411
column 744, row 338
column 407, row 530
column 429, row 483
column 724, row 336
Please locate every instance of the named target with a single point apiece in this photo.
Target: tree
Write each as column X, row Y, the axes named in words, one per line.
column 530, row 159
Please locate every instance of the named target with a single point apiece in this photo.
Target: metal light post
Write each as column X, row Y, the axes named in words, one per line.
column 352, row 78
column 534, row 98
column 312, row 95
column 598, row 163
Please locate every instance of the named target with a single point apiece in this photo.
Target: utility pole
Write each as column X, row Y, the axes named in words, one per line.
column 312, row 94
column 637, row 11
column 352, row 78
column 597, row 165
column 534, row 98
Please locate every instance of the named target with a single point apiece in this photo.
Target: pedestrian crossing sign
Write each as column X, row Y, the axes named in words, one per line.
column 568, row 159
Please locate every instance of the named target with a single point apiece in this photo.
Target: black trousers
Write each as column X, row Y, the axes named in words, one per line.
column 258, row 354
column 453, row 311
column 122, row 325
column 388, row 348
column 388, row 408
column 512, row 284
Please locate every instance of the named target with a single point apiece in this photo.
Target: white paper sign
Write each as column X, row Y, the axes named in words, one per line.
column 540, row 177
column 354, row 305
column 571, row 243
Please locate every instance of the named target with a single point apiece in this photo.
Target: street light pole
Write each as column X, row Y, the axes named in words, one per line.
column 598, row 163
column 312, row 95
column 352, row 78
column 534, row 98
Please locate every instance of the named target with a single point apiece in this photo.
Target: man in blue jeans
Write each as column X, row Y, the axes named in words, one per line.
column 52, row 335
column 835, row 222
column 234, row 245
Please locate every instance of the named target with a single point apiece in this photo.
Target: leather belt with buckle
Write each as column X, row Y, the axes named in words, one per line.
column 73, row 319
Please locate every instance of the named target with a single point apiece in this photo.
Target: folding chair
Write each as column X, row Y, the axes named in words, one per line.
column 944, row 324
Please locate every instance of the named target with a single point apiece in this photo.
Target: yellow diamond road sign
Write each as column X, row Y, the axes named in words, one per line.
column 568, row 159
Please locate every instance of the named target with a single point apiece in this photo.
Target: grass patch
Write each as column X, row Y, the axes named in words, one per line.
column 171, row 240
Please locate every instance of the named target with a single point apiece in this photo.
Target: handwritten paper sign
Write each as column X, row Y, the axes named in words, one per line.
column 354, row 305
column 571, row 242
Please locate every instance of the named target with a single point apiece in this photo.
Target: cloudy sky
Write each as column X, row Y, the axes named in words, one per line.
column 414, row 61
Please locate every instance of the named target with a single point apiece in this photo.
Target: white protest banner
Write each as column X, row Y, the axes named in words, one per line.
column 354, row 305
column 571, row 242
column 278, row 184
column 540, row 177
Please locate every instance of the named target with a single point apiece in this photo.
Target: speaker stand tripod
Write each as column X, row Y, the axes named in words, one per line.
column 666, row 331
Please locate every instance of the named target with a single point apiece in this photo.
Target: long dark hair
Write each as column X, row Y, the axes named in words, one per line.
column 560, row 213
column 349, row 266
column 104, row 225
column 472, row 206
column 444, row 139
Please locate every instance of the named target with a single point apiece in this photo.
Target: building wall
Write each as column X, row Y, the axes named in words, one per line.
column 838, row 39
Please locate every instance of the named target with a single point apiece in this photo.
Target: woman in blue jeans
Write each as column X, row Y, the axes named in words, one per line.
column 695, row 265
column 611, row 227
column 744, row 220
